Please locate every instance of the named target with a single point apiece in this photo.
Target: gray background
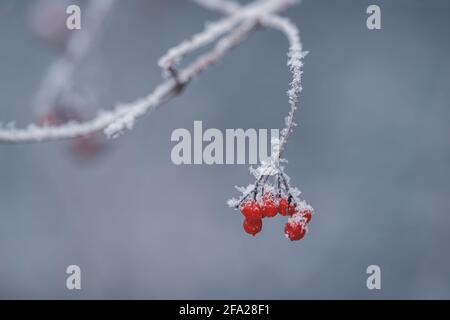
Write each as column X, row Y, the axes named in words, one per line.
column 371, row 155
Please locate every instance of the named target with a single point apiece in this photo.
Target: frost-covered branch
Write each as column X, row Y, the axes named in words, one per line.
column 123, row 117
column 295, row 54
column 235, row 27
column 217, row 29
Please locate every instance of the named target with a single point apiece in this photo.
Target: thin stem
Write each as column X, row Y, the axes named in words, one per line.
column 223, row 6
column 295, row 56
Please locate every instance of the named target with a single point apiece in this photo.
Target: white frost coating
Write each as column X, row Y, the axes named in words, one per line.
column 233, row 202
column 124, row 115
column 168, row 89
column 33, row 133
column 223, row 6
column 112, row 121
column 271, row 166
column 246, row 189
column 295, row 56
column 298, row 218
column 250, row 190
column 214, row 30
column 133, row 110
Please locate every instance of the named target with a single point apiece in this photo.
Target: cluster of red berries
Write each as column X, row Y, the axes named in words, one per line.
column 269, row 206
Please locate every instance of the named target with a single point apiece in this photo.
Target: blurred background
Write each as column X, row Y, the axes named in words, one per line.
column 371, row 155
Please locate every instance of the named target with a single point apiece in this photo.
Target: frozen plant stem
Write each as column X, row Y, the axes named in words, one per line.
column 234, row 28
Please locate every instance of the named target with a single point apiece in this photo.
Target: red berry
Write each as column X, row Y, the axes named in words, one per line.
column 87, row 146
column 251, row 210
column 285, row 208
column 294, row 231
column 252, row 226
column 269, row 208
column 307, row 215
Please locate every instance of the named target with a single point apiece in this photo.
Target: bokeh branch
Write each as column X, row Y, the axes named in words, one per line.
column 60, row 73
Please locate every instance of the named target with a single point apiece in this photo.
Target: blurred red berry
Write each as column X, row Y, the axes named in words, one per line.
column 252, row 226
column 251, row 210
column 87, row 146
column 47, row 21
column 294, row 231
column 48, row 119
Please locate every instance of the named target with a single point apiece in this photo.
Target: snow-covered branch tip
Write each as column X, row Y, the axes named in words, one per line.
column 265, row 198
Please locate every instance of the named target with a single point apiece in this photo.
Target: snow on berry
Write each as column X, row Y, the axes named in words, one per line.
column 251, row 210
column 294, row 231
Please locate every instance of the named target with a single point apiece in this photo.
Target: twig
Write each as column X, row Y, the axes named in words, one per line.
column 221, row 27
column 295, row 55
